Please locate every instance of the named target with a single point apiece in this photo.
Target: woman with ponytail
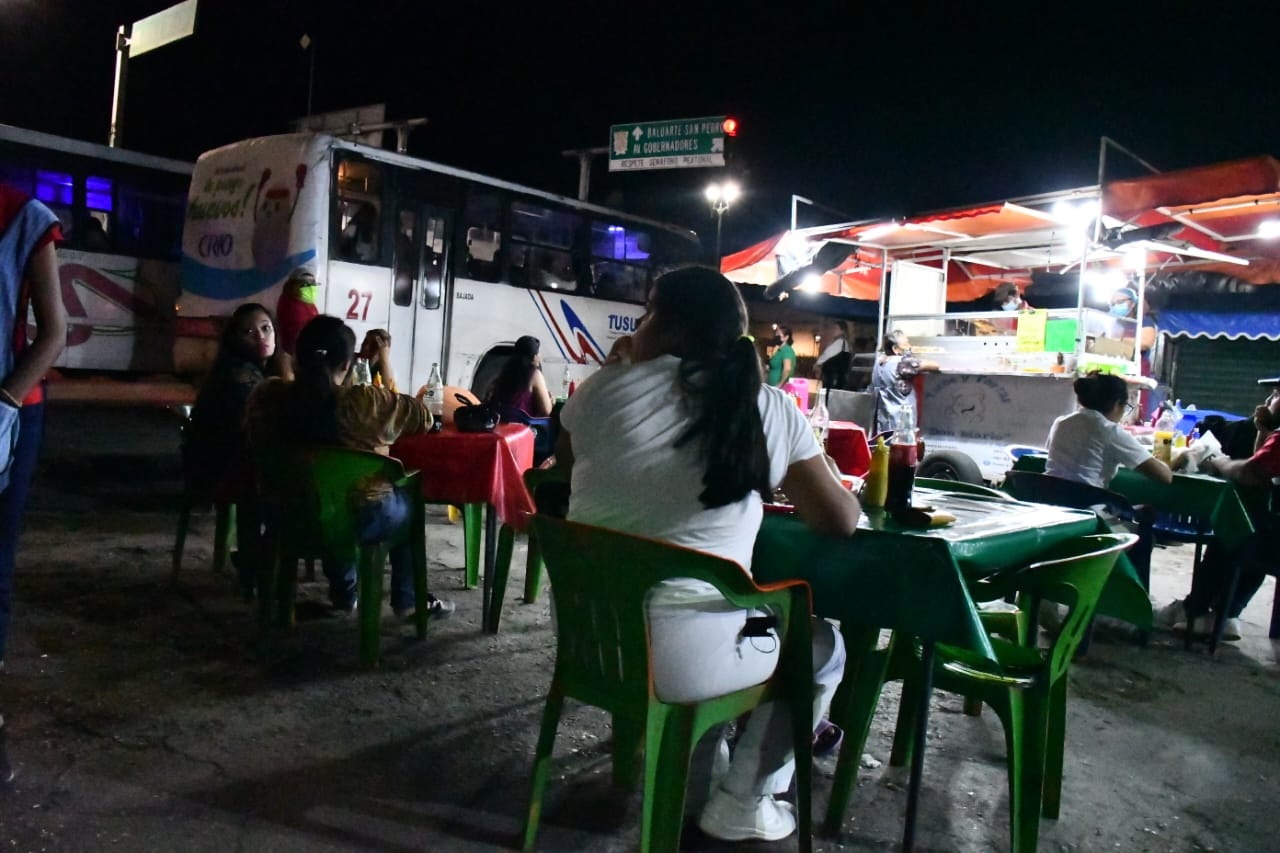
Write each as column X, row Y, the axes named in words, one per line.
column 678, row 439
column 322, row 407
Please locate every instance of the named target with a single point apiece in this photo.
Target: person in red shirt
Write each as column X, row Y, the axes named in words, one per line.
column 295, row 308
column 28, row 280
column 1257, row 476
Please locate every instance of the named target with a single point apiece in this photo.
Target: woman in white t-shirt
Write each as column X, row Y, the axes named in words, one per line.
column 677, row 439
column 1089, row 444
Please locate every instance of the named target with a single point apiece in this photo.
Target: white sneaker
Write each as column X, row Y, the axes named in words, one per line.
column 1231, row 629
column 1172, row 616
column 729, row 818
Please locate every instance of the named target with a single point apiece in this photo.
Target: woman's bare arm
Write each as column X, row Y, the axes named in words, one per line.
column 51, row 324
column 821, row 500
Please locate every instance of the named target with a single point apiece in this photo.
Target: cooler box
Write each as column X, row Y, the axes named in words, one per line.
column 800, row 388
column 847, row 445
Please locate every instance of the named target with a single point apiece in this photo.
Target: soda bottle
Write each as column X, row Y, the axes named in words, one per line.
column 877, row 485
column 902, row 462
column 820, row 422
column 434, row 398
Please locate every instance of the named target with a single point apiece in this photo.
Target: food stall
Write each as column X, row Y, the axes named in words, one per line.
column 1005, row 377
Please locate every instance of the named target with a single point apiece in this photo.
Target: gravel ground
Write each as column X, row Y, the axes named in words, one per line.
column 139, row 718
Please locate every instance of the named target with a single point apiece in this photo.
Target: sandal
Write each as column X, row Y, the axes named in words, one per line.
column 827, row 739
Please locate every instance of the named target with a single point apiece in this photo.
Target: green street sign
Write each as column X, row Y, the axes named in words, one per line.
column 683, row 143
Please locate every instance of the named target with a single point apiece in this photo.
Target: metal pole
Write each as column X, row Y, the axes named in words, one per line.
column 719, row 217
column 115, row 134
column 311, row 78
column 584, row 175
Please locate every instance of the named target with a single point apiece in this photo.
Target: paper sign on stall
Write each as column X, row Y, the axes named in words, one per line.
column 1060, row 336
column 1031, row 325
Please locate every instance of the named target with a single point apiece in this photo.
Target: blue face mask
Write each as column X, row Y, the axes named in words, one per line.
column 1120, row 309
column 1011, row 305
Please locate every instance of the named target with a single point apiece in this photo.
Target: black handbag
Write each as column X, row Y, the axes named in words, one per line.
column 470, row 417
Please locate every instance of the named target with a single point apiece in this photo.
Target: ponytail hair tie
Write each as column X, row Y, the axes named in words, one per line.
column 748, row 338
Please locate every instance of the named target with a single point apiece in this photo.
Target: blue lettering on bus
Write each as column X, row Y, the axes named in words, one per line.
column 621, row 323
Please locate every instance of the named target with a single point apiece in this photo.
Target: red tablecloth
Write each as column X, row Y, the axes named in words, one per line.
column 473, row 467
column 847, row 445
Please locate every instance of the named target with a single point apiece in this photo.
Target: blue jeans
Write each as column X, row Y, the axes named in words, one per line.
column 378, row 521
column 13, row 503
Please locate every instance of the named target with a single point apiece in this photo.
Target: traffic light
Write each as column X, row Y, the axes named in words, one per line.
column 730, row 127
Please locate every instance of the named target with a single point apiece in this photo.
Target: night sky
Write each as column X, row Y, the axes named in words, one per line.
column 868, row 112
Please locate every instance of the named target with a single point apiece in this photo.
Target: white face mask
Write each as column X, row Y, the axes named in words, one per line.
column 1011, row 305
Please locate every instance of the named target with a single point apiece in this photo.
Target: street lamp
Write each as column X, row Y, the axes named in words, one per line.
column 721, row 195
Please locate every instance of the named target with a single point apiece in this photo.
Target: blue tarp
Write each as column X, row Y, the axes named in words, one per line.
column 1210, row 324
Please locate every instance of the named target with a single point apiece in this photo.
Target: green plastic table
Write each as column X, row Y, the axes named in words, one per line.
column 1194, row 495
column 913, row 581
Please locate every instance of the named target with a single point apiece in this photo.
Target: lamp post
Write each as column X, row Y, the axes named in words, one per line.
column 721, row 195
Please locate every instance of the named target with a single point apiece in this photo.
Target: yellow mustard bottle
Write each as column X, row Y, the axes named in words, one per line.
column 877, row 487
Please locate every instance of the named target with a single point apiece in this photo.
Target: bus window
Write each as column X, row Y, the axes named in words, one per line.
column 542, row 240
column 482, row 219
column 619, row 262
column 435, row 237
column 405, row 263
column 148, row 224
column 358, row 223
column 97, row 225
column 56, row 190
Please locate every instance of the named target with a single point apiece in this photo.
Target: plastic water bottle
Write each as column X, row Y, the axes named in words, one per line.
column 434, row 397
column 360, row 374
column 820, row 422
column 566, row 379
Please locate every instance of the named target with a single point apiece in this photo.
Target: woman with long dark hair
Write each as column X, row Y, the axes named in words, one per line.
column 676, row 438
column 321, row 407
column 520, row 384
column 215, row 450
column 1089, row 444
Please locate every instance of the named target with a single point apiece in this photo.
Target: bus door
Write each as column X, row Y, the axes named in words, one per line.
column 420, row 275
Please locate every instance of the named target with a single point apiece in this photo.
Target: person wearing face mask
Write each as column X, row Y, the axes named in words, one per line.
column 893, row 379
column 1124, row 307
column 1004, row 298
column 782, row 364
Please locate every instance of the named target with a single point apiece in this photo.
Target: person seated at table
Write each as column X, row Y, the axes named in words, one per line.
column 520, row 386
column 678, row 413
column 1089, row 444
column 376, row 349
column 1255, row 475
column 322, row 407
column 215, row 453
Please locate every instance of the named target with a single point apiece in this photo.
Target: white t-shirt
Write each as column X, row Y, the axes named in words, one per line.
column 1086, row 447
column 628, row 474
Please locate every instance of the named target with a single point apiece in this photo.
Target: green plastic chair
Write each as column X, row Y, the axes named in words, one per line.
column 224, row 524
column 307, row 500
column 533, row 479
column 1026, row 685
column 962, row 488
column 600, row 580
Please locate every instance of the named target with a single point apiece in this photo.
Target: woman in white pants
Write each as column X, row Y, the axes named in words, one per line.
column 678, row 439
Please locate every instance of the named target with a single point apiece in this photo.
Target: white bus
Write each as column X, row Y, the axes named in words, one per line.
column 121, row 215
column 453, row 264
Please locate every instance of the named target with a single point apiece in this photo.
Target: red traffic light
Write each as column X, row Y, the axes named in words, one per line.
column 730, row 127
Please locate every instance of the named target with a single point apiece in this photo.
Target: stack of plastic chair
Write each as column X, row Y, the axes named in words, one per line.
column 601, row 579
column 1027, row 685
column 306, row 496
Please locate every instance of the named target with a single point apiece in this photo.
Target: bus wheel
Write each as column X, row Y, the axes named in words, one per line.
column 950, row 466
